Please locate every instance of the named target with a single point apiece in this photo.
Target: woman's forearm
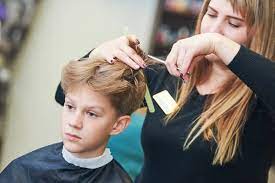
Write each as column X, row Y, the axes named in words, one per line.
column 224, row 48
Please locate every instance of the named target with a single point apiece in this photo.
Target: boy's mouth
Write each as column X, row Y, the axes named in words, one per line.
column 72, row 137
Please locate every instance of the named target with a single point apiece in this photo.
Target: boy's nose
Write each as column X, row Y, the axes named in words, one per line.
column 77, row 121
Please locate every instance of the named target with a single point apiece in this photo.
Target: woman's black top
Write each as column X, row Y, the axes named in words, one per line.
column 167, row 162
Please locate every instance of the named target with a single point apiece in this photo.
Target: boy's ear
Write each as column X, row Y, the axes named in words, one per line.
column 121, row 123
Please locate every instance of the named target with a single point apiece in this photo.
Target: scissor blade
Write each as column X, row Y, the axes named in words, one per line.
column 156, row 59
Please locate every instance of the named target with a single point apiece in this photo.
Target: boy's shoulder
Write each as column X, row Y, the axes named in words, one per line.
column 114, row 172
column 21, row 169
column 49, row 151
column 48, row 162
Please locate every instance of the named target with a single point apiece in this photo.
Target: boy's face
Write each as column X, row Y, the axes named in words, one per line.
column 88, row 119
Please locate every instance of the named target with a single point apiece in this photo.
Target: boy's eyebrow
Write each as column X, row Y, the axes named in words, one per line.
column 230, row 16
column 96, row 107
column 88, row 107
column 67, row 97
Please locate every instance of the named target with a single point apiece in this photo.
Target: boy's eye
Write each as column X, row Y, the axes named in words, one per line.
column 68, row 106
column 92, row 114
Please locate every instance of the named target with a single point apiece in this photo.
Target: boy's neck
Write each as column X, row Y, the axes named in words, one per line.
column 90, row 153
column 91, row 163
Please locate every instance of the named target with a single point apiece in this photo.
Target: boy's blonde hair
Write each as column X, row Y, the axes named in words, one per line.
column 124, row 86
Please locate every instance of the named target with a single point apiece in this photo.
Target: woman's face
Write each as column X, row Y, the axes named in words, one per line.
column 220, row 18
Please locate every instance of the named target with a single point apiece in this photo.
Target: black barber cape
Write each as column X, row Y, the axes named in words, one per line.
column 47, row 165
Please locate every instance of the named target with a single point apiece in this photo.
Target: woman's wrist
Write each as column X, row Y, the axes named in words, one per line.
column 225, row 48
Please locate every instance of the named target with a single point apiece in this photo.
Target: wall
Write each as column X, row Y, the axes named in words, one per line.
column 62, row 30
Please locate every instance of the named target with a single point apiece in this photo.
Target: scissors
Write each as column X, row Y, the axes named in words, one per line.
column 163, row 62
column 156, row 59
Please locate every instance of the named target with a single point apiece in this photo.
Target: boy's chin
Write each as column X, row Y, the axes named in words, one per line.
column 79, row 151
column 72, row 147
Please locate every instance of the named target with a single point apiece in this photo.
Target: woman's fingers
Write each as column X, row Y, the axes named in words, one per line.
column 185, row 53
column 133, row 39
column 124, row 48
column 126, row 52
column 131, row 53
column 187, row 61
column 181, row 65
column 110, row 58
column 171, row 61
column 184, row 60
column 126, row 59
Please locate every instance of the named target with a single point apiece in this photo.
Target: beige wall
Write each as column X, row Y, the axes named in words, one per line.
column 62, row 30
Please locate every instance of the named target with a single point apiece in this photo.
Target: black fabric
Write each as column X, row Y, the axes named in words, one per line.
column 46, row 165
column 59, row 95
column 166, row 161
column 258, row 74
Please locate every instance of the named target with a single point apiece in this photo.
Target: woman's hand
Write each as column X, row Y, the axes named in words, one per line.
column 120, row 48
column 187, row 51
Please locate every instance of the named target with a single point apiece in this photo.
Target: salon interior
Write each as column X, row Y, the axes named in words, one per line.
column 39, row 36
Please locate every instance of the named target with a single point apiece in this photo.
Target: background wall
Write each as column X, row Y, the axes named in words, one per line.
column 62, row 30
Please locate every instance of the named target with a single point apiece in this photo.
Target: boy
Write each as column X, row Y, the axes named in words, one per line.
column 99, row 98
